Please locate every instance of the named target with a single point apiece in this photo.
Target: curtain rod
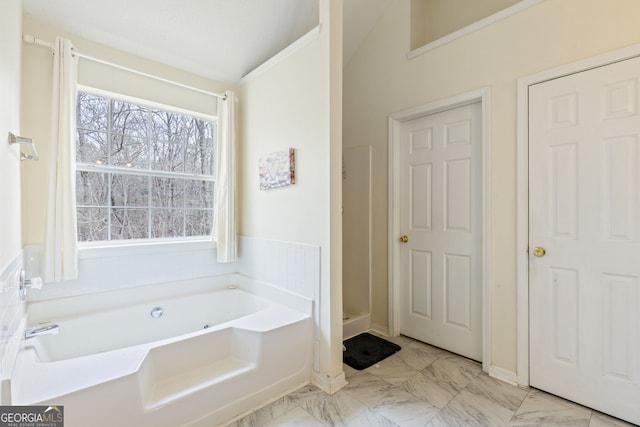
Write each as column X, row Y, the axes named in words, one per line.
column 32, row 40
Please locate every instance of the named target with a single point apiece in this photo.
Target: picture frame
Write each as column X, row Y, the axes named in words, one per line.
column 277, row 169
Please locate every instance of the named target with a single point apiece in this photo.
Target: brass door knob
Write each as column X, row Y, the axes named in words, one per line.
column 539, row 251
column 404, row 239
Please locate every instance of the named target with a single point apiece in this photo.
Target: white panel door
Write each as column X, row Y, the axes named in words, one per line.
column 440, row 214
column 584, row 193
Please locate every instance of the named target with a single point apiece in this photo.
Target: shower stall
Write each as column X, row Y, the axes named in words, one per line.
column 356, row 225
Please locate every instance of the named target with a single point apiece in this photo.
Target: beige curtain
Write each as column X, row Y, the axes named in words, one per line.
column 60, row 253
column 224, row 227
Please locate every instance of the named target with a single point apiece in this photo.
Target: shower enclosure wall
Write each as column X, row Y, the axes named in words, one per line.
column 356, row 222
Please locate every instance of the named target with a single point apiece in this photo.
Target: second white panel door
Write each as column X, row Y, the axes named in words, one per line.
column 584, row 211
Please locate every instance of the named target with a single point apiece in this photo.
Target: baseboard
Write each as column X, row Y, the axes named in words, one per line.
column 379, row 329
column 502, row 374
column 329, row 385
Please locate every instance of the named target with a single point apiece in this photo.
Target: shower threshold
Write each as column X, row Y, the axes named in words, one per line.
column 355, row 323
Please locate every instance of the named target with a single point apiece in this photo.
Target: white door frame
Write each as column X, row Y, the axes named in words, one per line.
column 395, row 121
column 522, row 189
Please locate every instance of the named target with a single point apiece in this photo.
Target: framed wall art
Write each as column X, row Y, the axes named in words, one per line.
column 277, row 169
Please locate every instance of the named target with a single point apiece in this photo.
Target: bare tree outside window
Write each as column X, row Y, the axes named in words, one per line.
column 142, row 172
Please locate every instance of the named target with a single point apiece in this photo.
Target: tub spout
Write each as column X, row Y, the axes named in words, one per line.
column 41, row 330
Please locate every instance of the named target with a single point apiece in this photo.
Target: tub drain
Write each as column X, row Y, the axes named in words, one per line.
column 157, row 312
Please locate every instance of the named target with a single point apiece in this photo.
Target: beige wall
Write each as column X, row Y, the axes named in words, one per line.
column 10, row 49
column 380, row 80
column 36, row 103
column 297, row 103
column 432, row 19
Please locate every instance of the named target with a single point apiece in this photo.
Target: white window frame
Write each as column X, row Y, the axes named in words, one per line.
column 97, row 249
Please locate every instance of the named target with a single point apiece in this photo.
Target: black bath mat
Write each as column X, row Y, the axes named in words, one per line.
column 365, row 350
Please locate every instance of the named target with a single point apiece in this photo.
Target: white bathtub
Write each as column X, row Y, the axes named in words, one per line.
column 223, row 345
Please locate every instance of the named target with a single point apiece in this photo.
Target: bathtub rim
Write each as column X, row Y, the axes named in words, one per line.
column 47, row 350
column 58, row 308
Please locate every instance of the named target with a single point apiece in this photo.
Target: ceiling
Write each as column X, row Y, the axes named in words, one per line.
column 219, row 39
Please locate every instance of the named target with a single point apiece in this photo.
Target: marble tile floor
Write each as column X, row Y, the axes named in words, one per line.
column 424, row 386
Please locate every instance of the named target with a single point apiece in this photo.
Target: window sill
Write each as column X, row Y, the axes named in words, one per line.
column 146, row 247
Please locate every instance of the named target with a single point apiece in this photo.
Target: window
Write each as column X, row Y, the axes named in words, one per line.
column 142, row 172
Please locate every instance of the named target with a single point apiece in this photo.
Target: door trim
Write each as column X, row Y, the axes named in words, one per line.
column 395, row 121
column 522, row 188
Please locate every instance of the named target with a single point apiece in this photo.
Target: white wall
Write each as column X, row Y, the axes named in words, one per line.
column 10, row 49
column 296, row 103
column 10, row 183
column 380, row 80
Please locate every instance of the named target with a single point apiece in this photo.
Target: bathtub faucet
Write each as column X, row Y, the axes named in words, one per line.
column 36, row 331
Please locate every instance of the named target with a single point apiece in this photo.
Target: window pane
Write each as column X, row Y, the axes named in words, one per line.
column 167, row 192
column 93, row 112
column 92, row 189
column 209, row 134
column 167, row 156
column 129, row 152
column 167, row 223
column 201, row 134
column 92, row 224
column 129, row 223
column 164, row 125
column 199, row 194
column 129, row 190
column 199, row 161
column 130, row 119
column 91, row 147
column 200, row 148
column 198, row 222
